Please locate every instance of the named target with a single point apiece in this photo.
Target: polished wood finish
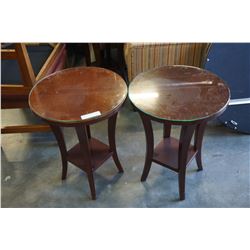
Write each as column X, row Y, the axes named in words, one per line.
column 177, row 95
column 70, row 93
column 63, row 97
column 16, row 95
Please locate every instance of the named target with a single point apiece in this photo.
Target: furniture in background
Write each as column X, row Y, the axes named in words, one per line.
column 116, row 61
column 77, row 51
column 97, row 94
column 231, row 62
column 21, row 67
column 141, row 57
column 105, row 55
column 177, row 95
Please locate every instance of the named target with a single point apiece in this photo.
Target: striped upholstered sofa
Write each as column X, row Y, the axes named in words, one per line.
column 141, row 57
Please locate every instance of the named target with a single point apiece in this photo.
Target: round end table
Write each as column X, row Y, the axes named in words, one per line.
column 177, row 95
column 79, row 97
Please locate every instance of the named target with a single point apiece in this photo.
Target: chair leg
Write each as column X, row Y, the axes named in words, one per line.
column 149, row 145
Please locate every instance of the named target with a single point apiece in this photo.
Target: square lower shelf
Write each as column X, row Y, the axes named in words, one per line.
column 100, row 152
column 166, row 153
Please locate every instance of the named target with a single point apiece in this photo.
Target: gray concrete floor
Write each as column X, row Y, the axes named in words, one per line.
column 31, row 170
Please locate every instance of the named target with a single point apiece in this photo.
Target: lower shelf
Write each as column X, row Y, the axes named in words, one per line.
column 100, row 152
column 166, row 153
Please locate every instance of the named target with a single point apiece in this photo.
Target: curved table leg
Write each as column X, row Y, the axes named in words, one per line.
column 62, row 146
column 166, row 130
column 149, row 145
column 198, row 137
column 82, row 134
column 185, row 139
column 112, row 144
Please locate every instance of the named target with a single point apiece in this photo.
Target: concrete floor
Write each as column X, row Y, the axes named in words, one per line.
column 31, row 170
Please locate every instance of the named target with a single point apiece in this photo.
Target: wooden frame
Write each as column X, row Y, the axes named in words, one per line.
column 16, row 95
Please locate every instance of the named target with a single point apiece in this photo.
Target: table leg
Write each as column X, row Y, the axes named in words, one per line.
column 88, row 131
column 112, row 144
column 82, row 135
column 62, row 146
column 166, row 130
column 185, row 139
column 198, row 137
column 149, row 145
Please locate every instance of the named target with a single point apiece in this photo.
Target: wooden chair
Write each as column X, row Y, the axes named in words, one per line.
column 16, row 95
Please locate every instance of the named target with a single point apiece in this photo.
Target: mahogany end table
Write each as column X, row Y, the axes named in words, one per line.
column 177, row 95
column 79, row 97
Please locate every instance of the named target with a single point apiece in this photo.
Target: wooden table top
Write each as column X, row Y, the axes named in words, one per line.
column 67, row 95
column 179, row 93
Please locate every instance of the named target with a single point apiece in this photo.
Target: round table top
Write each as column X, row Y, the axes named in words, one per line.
column 179, row 93
column 71, row 95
